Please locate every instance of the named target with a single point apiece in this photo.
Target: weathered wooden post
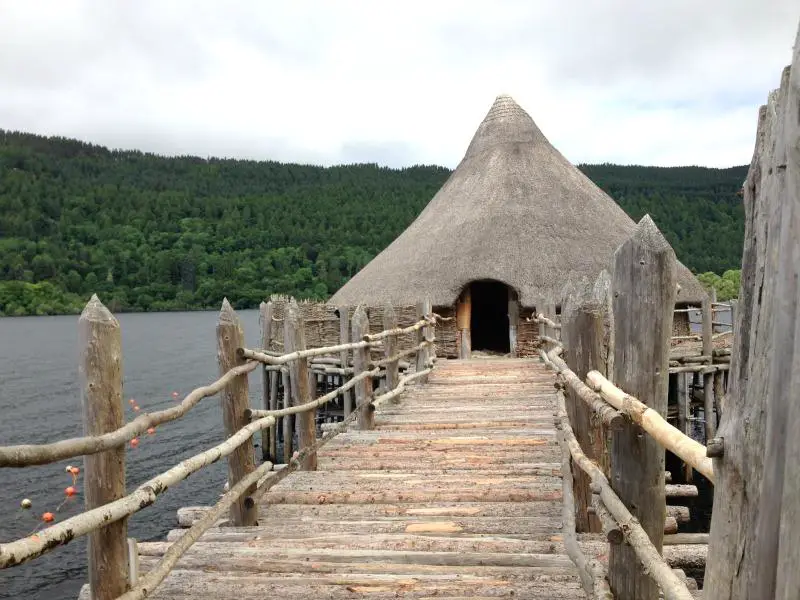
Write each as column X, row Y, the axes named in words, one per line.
column 294, row 339
column 100, row 370
column 390, row 346
column 583, row 333
column 288, row 420
column 425, row 334
column 513, row 321
column 235, row 401
column 344, row 338
column 464, row 323
column 267, row 435
column 361, row 360
column 644, row 288
column 708, row 377
column 550, row 313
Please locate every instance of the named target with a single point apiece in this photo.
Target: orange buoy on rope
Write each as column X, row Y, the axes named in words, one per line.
column 136, row 408
column 70, row 491
column 48, row 517
column 174, row 394
column 131, row 401
column 151, row 430
column 134, row 442
column 74, row 470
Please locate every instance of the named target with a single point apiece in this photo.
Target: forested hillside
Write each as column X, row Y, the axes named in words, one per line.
column 154, row 233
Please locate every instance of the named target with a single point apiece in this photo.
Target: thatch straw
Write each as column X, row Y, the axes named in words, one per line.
column 514, row 210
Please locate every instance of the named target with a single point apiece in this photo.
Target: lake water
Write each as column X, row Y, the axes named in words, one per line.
column 40, row 402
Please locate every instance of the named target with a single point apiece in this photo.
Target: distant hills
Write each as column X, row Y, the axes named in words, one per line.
column 164, row 233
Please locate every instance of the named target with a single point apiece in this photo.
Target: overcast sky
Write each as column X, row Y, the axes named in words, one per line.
column 659, row 82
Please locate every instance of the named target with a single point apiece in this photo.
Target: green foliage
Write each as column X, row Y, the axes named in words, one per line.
column 152, row 233
column 727, row 286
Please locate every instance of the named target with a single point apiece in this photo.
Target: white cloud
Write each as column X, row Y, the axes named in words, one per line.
column 664, row 82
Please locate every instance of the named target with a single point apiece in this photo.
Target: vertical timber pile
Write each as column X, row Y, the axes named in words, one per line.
column 101, row 397
column 755, row 525
column 235, row 401
column 390, row 347
column 268, row 442
column 294, row 339
column 344, row 338
column 513, row 321
column 708, row 378
column 361, row 360
column 644, row 287
column 464, row 323
column 425, row 334
column 582, row 332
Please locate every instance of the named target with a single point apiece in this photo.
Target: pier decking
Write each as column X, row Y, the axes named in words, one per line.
column 455, row 494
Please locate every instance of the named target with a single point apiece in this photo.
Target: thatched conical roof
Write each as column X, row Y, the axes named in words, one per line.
column 514, row 210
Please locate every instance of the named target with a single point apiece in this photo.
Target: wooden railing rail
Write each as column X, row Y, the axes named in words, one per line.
column 111, row 571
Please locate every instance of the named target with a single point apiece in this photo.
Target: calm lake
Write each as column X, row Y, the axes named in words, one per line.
column 40, row 402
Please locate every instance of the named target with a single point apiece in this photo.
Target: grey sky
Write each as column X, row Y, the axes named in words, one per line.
column 666, row 82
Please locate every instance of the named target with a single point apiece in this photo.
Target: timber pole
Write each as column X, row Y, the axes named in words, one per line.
column 390, row 347
column 361, row 360
column 294, row 339
column 644, row 289
column 235, row 400
column 104, row 473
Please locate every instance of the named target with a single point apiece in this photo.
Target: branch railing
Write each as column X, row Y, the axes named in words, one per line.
column 111, row 568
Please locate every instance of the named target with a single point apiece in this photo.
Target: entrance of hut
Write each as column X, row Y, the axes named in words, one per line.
column 489, row 318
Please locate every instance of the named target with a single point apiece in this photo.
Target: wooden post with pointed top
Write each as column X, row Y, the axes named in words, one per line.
column 390, row 347
column 100, row 370
column 643, row 284
column 425, row 334
column 267, row 435
column 235, row 401
column 294, row 339
column 344, row 338
column 363, row 390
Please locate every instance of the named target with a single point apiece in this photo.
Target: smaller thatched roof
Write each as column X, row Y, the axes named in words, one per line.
column 514, row 210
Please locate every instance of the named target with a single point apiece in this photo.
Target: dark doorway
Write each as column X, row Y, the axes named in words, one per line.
column 489, row 322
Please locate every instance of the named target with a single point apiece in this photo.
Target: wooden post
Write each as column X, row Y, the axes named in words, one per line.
column 273, row 405
column 513, row 321
column 265, row 319
column 644, row 286
column 390, row 347
column 294, row 339
column 423, row 309
column 684, row 413
column 464, row 323
column 344, row 338
column 550, row 313
column 708, row 378
column 100, row 370
column 288, row 430
column 366, row 412
column 235, row 401
column 583, row 333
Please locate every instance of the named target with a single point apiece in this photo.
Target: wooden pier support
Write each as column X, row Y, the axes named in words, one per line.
column 361, row 360
column 425, row 334
column 104, row 473
column 235, row 401
column 344, row 357
column 268, row 399
column 294, row 339
column 390, row 347
column 644, row 284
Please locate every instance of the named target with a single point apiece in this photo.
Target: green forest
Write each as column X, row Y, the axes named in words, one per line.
column 149, row 233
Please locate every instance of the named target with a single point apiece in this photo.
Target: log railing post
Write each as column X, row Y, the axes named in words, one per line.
column 390, row 347
column 708, row 378
column 425, row 334
column 644, row 289
column 361, row 360
column 464, row 323
column 344, row 338
column 235, row 401
column 267, row 435
column 513, row 321
column 294, row 339
column 288, row 420
column 582, row 323
column 104, row 473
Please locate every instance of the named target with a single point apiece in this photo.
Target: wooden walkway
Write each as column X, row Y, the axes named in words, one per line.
column 455, row 494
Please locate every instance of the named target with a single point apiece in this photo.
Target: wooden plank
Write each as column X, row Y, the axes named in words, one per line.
column 100, row 370
column 644, row 284
column 294, row 339
column 235, row 400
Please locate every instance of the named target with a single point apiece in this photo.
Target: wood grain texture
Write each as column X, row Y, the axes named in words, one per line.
column 100, row 370
column 644, row 288
column 265, row 310
column 363, row 391
column 235, row 400
column 390, row 347
column 294, row 339
column 344, row 355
